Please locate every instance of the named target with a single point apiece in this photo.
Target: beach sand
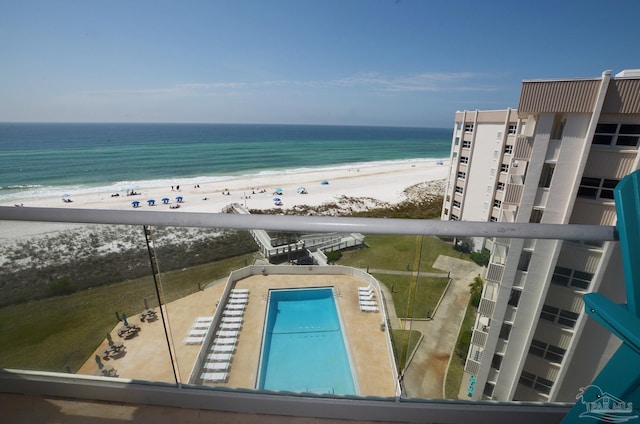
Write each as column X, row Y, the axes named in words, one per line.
column 385, row 183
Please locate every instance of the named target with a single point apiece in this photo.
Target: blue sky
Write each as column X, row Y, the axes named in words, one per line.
column 355, row 62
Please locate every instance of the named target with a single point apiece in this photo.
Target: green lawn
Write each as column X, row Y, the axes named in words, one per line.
column 51, row 333
column 404, row 343
column 456, row 366
column 428, row 293
column 400, row 253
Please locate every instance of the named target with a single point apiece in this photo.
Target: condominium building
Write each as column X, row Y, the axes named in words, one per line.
column 554, row 160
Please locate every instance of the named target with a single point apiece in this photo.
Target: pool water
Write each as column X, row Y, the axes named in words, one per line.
column 303, row 348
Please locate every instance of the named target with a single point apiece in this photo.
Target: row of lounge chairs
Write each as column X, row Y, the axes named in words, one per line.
column 366, row 298
column 218, row 361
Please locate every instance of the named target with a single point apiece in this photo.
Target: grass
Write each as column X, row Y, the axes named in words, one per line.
column 400, row 253
column 52, row 333
column 403, row 346
column 427, row 295
column 456, row 366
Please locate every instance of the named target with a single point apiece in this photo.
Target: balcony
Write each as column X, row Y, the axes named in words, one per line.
column 167, row 269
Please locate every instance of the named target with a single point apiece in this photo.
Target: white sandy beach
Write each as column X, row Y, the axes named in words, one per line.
column 385, row 183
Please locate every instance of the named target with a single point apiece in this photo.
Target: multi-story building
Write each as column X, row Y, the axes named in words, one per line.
column 554, row 160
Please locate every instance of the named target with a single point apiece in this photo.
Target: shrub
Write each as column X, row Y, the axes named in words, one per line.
column 481, row 258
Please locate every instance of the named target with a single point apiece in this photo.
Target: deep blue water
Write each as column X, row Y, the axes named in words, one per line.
column 41, row 158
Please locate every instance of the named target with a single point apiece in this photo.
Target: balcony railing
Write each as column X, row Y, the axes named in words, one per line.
column 167, row 288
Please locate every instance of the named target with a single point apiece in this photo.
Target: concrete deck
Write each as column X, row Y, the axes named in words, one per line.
column 147, row 356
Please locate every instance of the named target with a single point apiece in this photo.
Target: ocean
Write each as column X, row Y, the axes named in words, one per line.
column 53, row 159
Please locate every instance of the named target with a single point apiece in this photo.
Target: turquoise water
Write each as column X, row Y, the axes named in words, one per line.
column 51, row 159
column 303, row 347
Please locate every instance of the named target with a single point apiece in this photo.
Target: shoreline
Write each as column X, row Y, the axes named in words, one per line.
column 385, row 182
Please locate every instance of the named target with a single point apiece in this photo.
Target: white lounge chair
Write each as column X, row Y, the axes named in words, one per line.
column 230, row 326
column 239, row 301
column 235, row 307
column 365, row 308
column 197, row 333
column 233, row 313
column 227, row 333
column 225, row 340
column 217, row 366
column 368, row 303
column 231, row 319
column 223, row 357
column 201, row 325
column 365, row 289
column 223, row 348
column 214, row 376
column 193, row 340
column 366, row 296
column 239, row 290
column 204, row 319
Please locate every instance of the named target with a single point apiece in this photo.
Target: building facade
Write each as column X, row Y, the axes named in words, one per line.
column 554, row 160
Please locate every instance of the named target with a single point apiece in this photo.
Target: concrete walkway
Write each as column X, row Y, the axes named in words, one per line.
column 425, row 375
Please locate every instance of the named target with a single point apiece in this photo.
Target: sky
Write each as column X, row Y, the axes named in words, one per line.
column 340, row 62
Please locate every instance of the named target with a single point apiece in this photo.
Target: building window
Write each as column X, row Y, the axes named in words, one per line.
column 466, row 144
column 488, row 389
column 459, row 189
column 454, row 217
column 536, row 216
column 559, row 123
column 539, row 384
column 457, row 141
column 546, row 175
column 559, row 316
column 508, row 149
column 626, row 135
column 547, row 351
column 462, row 175
column 514, row 297
column 493, row 219
column 496, row 362
column 505, row 331
column 500, row 186
column 468, row 127
column 567, row 277
column 597, row 188
column 456, row 203
column 524, row 261
column 504, row 168
column 464, row 159
column 512, row 128
column 497, row 203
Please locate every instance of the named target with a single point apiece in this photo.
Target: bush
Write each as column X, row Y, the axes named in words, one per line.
column 333, row 256
column 481, row 258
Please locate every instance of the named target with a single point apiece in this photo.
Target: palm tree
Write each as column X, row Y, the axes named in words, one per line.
column 475, row 288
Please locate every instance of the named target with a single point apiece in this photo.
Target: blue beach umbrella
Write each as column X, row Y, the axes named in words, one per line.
column 302, row 190
column 151, row 202
column 179, row 199
column 324, row 182
column 135, row 203
column 165, row 200
column 278, row 190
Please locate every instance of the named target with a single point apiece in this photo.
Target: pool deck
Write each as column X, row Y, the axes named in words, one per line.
column 147, row 356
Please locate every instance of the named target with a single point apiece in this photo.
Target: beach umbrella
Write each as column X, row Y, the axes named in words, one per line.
column 135, row 203
column 324, row 182
column 99, row 362
column 302, row 190
column 278, row 190
column 165, row 200
column 179, row 199
column 276, row 199
column 124, row 319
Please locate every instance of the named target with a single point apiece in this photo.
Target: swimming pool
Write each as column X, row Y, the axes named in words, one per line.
column 303, row 347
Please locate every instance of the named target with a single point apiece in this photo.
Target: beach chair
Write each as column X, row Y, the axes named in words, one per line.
column 201, row 325
column 222, row 357
column 225, row 340
column 217, row 366
column 231, row 319
column 242, row 301
column 227, row 333
column 618, row 381
column 365, row 308
column 235, row 307
column 365, row 289
column 223, row 348
column 230, row 325
column 204, row 319
column 368, row 303
column 216, row 377
column 233, row 313
column 197, row 333
column 366, row 296
column 240, row 291
column 193, row 340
